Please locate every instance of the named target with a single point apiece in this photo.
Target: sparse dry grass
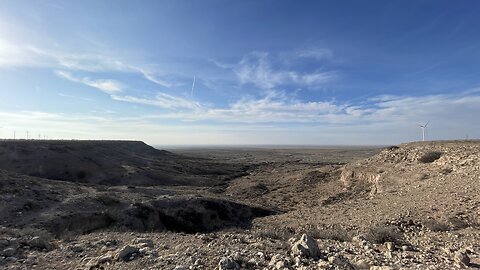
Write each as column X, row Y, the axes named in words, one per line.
column 336, row 233
column 436, row 226
column 383, row 233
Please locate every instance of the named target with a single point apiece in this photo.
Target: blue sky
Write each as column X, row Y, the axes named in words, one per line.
column 265, row 72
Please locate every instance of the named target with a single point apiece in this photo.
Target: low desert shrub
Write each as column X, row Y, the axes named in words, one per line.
column 381, row 234
column 330, row 232
column 436, row 226
column 279, row 234
column 458, row 223
column 108, row 199
column 430, row 156
column 336, row 233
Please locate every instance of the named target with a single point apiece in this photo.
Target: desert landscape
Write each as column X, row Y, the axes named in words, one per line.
column 126, row 205
column 231, row 135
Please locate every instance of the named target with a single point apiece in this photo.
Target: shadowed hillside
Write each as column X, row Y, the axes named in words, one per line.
column 110, row 163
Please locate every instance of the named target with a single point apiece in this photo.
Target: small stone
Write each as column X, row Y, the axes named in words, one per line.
column 13, row 242
column 362, row 264
column 180, row 267
column 9, row 252
column 341, row 262
column 358, row 239
column 144, row 242
column 279, row 262
column 40, row 243
column 105, row 258
column 11, row 259
column 127, row 253
column 462, row 259
column 390, row 246
column 3, row 242
column 227, row 263
column 280, row 265
column 76, row 248
column 381, row 268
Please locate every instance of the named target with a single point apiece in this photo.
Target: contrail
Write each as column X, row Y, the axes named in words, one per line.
column 193, row 86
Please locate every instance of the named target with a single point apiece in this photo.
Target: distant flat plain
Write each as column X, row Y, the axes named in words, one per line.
column 252, row 154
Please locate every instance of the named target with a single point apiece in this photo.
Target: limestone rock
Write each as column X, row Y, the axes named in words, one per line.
column 306, row 247
column 390, row 246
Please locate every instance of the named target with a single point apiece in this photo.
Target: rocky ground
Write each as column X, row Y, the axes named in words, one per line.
column 412, row 206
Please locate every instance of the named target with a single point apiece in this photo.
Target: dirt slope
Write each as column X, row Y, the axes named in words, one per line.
column 110, row 163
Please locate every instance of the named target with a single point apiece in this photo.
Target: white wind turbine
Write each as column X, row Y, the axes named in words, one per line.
column 424, row 127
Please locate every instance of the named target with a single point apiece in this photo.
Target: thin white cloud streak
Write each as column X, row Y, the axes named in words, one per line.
column 193, row 86
column 318, row 54
column 162, row 100
column 255, row 68
column 105, row 85
column 75, row 97
column 15, row 54
column 153, row 79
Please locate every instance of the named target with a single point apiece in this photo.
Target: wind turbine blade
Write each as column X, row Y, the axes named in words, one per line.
column 427, row 123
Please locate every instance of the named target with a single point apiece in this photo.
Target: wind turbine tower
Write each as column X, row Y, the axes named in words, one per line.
column 423, row 127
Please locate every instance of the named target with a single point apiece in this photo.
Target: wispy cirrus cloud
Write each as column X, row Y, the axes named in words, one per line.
column 105, row 85
column 15, row 53
column 262, row 71
column 280, row 107
column 115, row 88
